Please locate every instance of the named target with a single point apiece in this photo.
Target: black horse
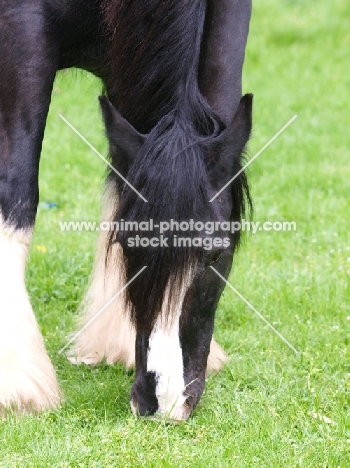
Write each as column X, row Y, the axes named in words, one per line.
column 173, row 70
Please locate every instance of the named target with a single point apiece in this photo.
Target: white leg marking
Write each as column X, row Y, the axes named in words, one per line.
column 27, row 378
column 165, row 360
column 111, row 335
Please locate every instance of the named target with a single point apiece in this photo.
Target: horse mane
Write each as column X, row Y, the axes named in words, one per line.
column 153, row 56
column 154, row 85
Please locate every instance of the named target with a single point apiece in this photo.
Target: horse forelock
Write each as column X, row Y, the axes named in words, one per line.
column 171, row 173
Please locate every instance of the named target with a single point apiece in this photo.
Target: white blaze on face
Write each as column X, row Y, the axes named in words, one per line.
column 166, row 361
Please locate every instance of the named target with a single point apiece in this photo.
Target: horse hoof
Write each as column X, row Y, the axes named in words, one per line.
column 92, row 354
column 28, row 383
column 76, row 358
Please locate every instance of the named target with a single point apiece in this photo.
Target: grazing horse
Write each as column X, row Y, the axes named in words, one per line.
column 177, row 126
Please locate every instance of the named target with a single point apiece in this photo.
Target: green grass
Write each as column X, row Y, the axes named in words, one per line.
column 261, row 411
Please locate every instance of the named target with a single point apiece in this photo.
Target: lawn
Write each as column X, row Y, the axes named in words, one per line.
column 269, row 407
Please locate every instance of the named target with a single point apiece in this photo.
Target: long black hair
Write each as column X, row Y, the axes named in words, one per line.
column 154, row 84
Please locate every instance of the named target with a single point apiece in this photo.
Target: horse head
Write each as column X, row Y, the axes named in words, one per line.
column 179, row 168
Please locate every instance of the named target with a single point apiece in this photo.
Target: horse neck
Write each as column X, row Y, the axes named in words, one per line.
column 154, row 56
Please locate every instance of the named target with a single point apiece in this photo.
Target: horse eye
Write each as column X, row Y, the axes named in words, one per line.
column 215, row 259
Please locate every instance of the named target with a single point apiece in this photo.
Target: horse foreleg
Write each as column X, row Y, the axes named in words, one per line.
column 28, row 64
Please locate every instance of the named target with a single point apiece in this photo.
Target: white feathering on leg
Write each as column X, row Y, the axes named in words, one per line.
column 217, row 358
column 27, row 379
column 111, row 335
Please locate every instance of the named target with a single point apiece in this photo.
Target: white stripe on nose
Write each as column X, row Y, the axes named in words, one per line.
column 165, row 358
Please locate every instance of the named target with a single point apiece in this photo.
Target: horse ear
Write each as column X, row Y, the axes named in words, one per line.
column 231, row 142
column 125, row 141
column 238, row 132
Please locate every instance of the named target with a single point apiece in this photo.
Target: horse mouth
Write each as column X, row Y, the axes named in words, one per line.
column 175, row 415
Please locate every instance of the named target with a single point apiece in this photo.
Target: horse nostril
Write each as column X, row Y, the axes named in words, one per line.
column 145, row 410
column 141, row 405
column 142, row 410
column 143, row 397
